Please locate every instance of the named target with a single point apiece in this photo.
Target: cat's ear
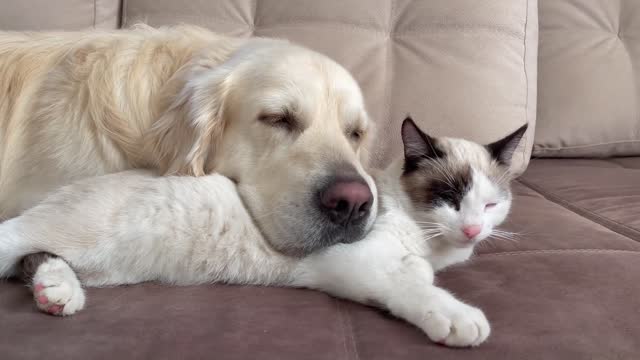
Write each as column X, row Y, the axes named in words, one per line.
column 417, row 145
column 502, row 150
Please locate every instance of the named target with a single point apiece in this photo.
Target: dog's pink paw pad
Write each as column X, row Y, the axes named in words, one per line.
column 42, row 299
column 38, row 287
column 54, row 309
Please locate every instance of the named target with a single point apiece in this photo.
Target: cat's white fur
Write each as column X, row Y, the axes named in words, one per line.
column 133, row 227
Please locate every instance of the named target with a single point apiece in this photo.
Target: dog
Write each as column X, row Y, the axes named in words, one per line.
column 286, row 124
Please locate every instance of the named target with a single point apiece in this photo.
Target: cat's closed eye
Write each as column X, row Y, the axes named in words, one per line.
column 489, row 206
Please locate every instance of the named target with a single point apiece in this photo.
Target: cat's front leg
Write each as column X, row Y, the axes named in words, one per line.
column 384, row 274
column 56, row 287
column 443, row 317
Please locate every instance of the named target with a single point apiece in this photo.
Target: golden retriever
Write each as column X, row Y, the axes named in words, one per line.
column 287, row 124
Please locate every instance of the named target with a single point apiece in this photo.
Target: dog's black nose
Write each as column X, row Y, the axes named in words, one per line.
column 346, row 202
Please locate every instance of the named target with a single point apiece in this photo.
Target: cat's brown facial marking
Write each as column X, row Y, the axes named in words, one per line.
column 434, row 182
column 30, row 264
column 430, row 176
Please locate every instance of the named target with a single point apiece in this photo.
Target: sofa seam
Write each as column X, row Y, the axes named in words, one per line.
column 193, row 17
column 123, row 17
column 361, row 28
column 541, row 147
column 555, row 251
column 422, row 32
column 461, row 28
column 389, row 69
column 351, row 352
column 342, row 327
column 254, row 17
column 610, row 224
column 629, row 56
column 528, row 84
column 610, row 160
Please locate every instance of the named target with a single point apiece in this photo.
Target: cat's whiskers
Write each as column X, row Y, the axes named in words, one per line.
column 504, row 235
column 448, row 178
column 429, row 236
column 504, row 176
column 427, row 224
column 423, row 224
column 430, row 229
column 487, row 243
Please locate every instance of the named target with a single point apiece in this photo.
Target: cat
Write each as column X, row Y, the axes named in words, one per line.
column 443, row 197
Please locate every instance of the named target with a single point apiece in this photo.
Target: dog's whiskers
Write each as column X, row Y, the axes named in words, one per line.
column 269, row 213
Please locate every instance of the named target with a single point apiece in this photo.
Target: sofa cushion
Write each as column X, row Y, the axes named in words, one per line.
column 464, row 68
column 542, row 305
column 589, row 79
column 539, row 224
column 33, row 15
column 604, row 191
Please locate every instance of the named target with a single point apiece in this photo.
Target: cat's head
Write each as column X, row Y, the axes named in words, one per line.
column 459, row 189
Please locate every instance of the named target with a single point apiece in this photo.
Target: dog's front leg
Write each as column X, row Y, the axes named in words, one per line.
column 383, row 273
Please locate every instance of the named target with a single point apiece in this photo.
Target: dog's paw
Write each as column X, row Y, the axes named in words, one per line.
column 56, row 288
column 456, row 324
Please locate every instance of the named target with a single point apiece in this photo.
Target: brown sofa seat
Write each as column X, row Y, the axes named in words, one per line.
column 604, row 191
column 566, row 289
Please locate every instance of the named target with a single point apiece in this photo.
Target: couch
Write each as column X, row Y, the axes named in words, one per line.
column 567, row 288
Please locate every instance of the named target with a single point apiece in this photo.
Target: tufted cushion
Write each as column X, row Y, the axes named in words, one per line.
column 589, row 78
column 460, row 67
column 31, row 15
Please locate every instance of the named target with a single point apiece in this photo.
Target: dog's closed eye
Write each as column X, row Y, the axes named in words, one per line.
column 356, row 135
column 284, row 120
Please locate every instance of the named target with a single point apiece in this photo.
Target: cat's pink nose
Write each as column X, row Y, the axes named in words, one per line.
column 471, row 230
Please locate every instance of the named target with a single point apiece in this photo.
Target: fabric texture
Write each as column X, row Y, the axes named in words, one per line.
column 589, row 78
column 605, row 191
column 460, row 68
column 41, row 15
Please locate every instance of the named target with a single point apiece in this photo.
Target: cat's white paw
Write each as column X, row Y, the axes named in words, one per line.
column 456, row 324
column 56, row 288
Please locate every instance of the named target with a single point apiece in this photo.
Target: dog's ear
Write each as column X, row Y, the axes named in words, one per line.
column 184, row 138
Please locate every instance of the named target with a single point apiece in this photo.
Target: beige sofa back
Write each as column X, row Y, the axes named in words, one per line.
column 33, row 15
column 459, row 67
column 589, row 83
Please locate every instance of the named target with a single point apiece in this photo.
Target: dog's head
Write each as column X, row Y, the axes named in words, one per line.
column 288, row 125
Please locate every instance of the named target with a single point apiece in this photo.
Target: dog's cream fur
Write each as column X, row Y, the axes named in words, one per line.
column 276, row 118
